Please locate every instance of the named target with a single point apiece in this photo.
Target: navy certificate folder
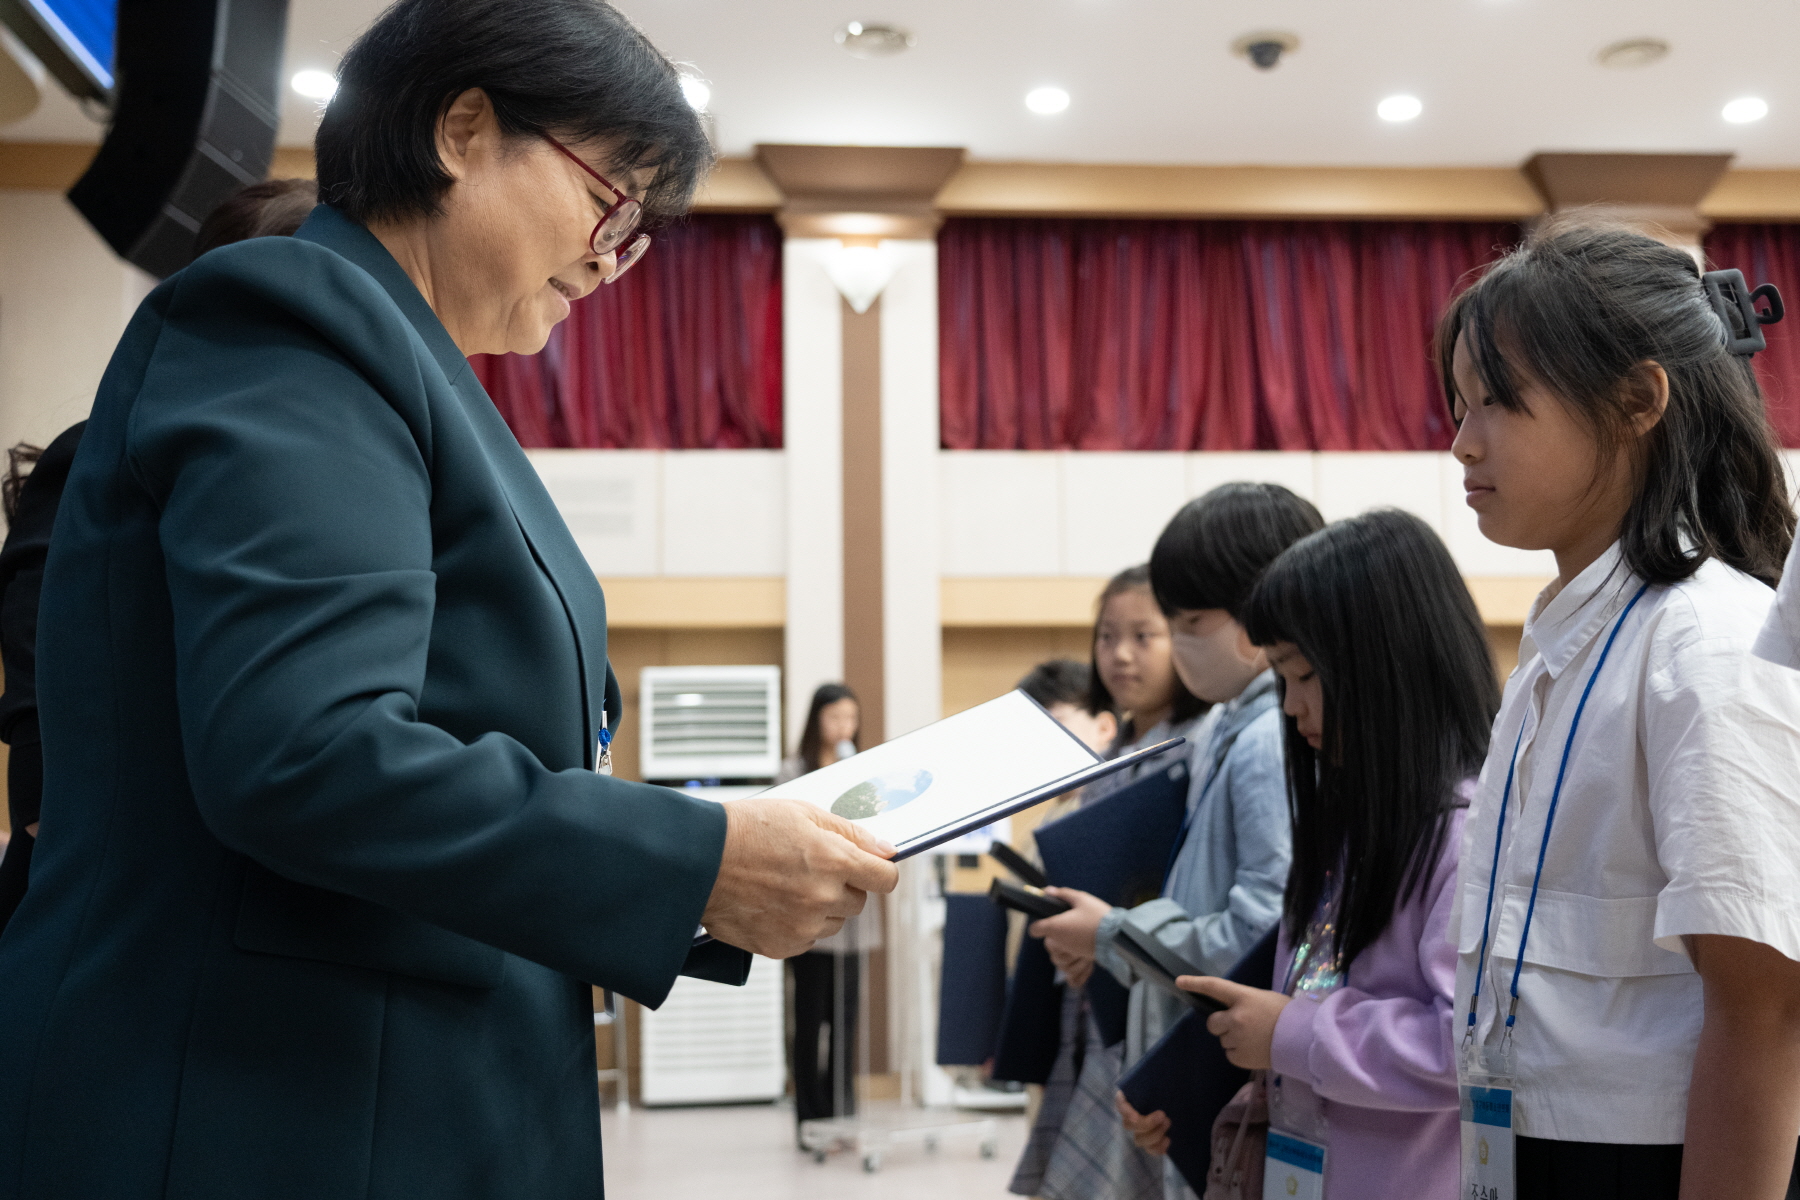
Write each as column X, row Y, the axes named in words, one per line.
column 972, row 991
column 1187, row 1076
column 1117, row 849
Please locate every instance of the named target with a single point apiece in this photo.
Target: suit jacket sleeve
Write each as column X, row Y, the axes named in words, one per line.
column 295, row 483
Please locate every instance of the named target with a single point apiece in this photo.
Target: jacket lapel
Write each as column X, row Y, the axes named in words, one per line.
column 539, row 523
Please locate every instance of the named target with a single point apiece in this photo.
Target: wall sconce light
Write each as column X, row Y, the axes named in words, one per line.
column 861, row 268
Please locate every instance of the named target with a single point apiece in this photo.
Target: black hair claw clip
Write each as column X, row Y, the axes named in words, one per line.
column 1734, row 301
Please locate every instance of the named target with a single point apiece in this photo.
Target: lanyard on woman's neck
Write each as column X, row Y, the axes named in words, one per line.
column 1562, row 771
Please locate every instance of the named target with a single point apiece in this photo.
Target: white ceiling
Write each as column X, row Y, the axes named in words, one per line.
column 1153, row 81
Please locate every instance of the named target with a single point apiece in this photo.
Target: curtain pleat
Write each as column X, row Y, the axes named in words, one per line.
column 684, row 353
column 1065, row 334
column 1770, row 254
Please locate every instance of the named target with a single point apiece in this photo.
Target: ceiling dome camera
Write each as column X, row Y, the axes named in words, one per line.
column 1265, row 49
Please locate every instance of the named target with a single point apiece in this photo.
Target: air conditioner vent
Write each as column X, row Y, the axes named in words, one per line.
column 710, row 722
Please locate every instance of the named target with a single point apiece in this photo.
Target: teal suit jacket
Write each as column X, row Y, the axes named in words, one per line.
column 324, row 869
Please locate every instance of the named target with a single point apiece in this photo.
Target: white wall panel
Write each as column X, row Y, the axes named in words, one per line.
column 1115, row 505
column 912, row 640
column 1475, row 555
column 611, row 501
column 65, row 298
column 724, row 512
column 1353, row 482
column 1000, row 513
column 1293, row 470
column 813, row 437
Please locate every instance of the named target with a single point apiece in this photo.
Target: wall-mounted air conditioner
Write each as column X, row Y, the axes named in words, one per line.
column 710, row 724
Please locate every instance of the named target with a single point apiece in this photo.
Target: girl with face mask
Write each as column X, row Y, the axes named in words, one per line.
column 1223, row 889
column 1077, row 1151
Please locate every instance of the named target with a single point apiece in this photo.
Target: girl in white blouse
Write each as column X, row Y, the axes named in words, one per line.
column 1628, row 919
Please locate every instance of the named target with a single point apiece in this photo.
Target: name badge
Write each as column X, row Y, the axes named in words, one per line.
column 1294, row 1168
column 1487, row 1143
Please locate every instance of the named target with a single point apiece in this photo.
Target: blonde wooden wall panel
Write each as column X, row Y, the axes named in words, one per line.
column 1082, row 189
column 668, row 603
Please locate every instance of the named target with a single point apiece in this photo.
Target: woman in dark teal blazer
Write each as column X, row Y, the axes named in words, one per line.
column 325, row 868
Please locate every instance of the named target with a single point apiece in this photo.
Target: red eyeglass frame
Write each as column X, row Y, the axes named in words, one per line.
column 624, row 216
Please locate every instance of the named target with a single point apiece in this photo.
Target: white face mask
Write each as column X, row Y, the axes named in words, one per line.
column 1213, row 665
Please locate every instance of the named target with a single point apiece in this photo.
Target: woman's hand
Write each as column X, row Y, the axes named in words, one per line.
column 791, row 874
column 1069, row 936
column 1149, row 1131
column 1247, row 1028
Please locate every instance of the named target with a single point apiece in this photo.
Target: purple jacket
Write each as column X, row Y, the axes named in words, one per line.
column 1376, row 1055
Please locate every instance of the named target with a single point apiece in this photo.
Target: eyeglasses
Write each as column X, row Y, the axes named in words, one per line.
column 616, row 225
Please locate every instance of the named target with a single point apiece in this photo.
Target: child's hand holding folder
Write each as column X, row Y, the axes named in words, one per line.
column 1246, row 1029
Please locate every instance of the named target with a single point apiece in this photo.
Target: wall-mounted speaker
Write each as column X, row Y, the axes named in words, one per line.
column 194, row 118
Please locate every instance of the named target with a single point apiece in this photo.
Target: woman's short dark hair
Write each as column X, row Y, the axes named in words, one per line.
column 1212, row 551
column 811, row 738
column 573, row 68
column 272, row 208
column 1578, row 309
column 1184, row 706
column 1061, row 681
column 1378, row 608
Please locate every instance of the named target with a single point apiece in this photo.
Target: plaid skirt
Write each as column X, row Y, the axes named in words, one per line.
column 1078, row 1149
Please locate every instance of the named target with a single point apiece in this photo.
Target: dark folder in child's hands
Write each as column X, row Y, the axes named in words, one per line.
column 1187, row 1076
column 1117, row 849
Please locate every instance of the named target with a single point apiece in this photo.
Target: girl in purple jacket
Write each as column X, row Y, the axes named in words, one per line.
column 1389, row 692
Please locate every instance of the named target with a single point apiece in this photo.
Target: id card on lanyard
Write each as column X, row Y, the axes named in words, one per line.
column 1299, row 1135
column 603, row 747
column 1485, row 1078
column 1294, row 1168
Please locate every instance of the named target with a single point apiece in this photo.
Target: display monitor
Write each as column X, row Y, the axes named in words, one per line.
column 74, row 38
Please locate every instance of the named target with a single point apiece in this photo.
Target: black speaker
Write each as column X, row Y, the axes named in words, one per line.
column 194, row 120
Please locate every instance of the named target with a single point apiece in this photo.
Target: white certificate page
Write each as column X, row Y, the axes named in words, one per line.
column 946, row 776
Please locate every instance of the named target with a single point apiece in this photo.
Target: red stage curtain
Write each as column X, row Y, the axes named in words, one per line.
column 1770, row 254
column 1198, row 335
column 684, row 353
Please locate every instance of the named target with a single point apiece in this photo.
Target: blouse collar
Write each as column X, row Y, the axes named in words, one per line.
column 1561, row 626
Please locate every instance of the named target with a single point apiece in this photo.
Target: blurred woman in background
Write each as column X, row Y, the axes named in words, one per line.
column 826, row 981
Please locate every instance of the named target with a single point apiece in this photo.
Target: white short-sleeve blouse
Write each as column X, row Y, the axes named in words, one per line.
column 1679, row 815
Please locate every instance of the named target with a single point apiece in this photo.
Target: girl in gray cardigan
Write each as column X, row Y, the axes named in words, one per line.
column 1229, row 866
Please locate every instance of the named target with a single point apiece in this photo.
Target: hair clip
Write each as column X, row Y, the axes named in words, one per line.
column 1734, row 301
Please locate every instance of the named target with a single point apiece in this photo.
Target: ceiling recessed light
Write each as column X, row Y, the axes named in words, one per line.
column 696, row 92
column 1746, row 109
column 1399, row 108
column 314, row 85
column 869, row 39
column 1632, row 52
column 1046, row 101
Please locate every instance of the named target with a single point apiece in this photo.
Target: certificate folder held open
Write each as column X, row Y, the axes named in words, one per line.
column 935, row 784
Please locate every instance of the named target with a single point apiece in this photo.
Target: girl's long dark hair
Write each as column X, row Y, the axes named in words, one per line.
column 19, row 461
column 1378, row 608
column 828, row 693
column 1579, row 308
column 1183, row 707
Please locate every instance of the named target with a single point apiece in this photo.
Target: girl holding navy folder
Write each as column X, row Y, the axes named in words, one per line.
column 1388, row 692
column 1628, row 921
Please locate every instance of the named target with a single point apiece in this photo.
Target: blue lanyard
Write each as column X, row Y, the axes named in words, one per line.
column 1562, row 770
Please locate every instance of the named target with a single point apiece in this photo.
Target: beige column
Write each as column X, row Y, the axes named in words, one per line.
column 1660, row 192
